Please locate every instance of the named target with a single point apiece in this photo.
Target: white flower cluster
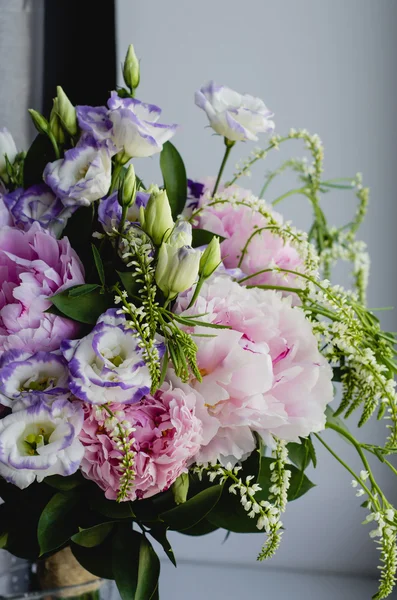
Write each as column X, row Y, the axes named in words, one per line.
column 121, row 431
column 267, row 512
column 350, row 335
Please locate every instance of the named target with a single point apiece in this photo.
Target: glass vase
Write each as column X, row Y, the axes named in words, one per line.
column 59, row 578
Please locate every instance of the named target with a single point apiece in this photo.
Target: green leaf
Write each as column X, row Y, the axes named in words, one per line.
column 193, row 510
column 148, row 571
column 174, row 175
column 93, row 536
column 3, row 540
column 136, row 566
column 299, row 454
column 85, row 309
column 57, row 522
column 202, row 528
column 98, row 264
column 124, row 558
column 82, row 290
column 109, row 508
column 129, row 282
column 96, row 560
column 39, row 154
column 65, row 483
column 202, row 237
column 159, row 532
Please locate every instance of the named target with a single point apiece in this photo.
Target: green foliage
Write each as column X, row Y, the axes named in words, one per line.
column 39, row 154
column 93, row 536
column 98, row 264
column 135, row 565
column 202, row 237
column 191, row 512
column 82, row 303
column 175, row 180
column 58, row 521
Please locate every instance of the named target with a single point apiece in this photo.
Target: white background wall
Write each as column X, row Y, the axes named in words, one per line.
column 329, row 66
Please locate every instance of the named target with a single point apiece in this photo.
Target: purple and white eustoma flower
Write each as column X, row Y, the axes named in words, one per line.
column 109, row 211
column 25, row 378
column 107, row 365
column 38, row 203
column 130, row 124
column 7, row 149
column 237, row 117
column 83, row 175
column 40, row 441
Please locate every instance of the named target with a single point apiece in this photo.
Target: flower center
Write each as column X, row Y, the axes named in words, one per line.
column 37, row 385
column 36, row 439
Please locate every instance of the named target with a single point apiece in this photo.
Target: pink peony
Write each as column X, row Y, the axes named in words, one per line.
column 244, row 248
column 167, row 435
column 265, row 374
column 33, row 266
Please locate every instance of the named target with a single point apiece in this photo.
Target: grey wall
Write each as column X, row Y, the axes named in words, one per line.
column 329, row 66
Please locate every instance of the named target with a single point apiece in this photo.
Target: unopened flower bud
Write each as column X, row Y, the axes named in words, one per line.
column 131, row 70
column 128, row 190
column 181, row 235
column 211, row 258
column 66, row 112
column 39, row 121
column 55, row 123
column 180, row 488
column 158, row 221
column 7, row 149
column 177, row 269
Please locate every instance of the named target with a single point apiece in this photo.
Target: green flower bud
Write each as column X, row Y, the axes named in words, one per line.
column 177, row 269
column 131, row 70
column 158, row 221
column 55, row 123
column 180, row 488
column 66, row 112
column 39, row 121
column 211, row 258
column 128, row 190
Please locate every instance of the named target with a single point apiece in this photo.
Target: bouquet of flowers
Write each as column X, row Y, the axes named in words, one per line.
column 168, row 353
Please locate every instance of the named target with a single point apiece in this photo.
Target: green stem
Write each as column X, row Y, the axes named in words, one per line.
column 115, row 176
column 291, row 193
column 229, row 145
column 196, row 291
column 357, row 446
column 54, row 144
column 280, row 288
column 352, row 473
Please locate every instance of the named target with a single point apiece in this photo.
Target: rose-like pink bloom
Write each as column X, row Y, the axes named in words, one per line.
column 249, row 243
column 33, row 266
column 263, row 375
column 167, row 435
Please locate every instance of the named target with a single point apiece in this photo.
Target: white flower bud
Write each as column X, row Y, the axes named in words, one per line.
column 211, row 258
column 55, row 123
column 66, row 112
column 158, row 221
column 128, row 192
column 181, row 235
column 7, row 148
column 131, row 70
column 39, row 121
column 177, row 269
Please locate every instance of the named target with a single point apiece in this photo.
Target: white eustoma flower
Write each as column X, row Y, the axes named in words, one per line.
column 41, row 441
column 7, row 148
column 235, row 116
column 83, row 175
column 25, row 378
